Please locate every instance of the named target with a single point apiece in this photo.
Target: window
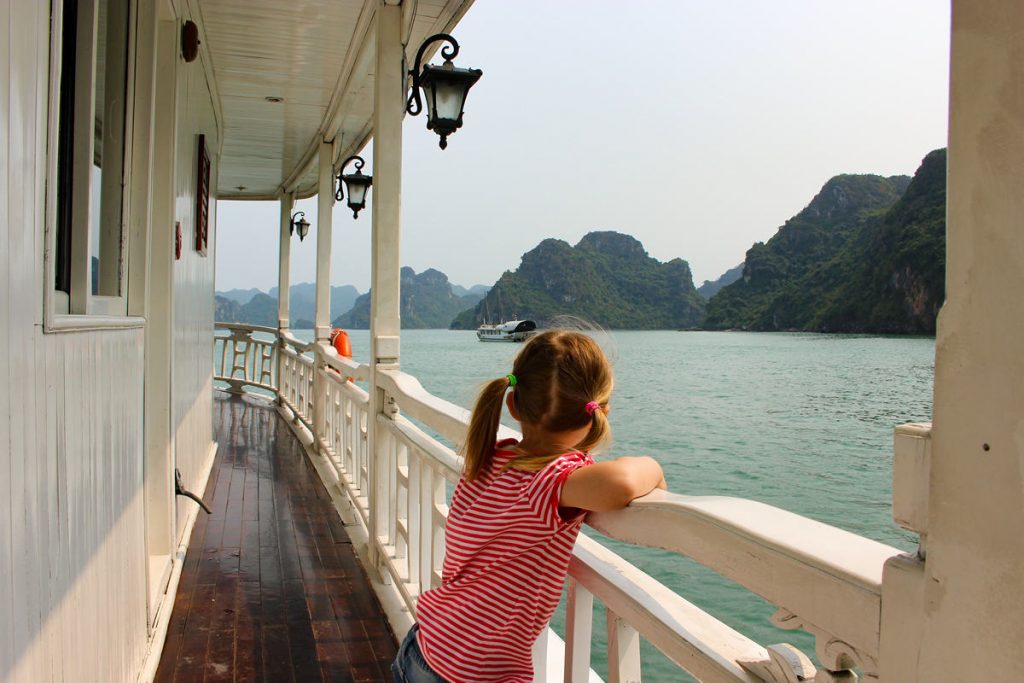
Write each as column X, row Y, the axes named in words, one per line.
column 92, row 115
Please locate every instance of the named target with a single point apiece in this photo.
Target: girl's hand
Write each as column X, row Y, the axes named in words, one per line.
column 611, row 485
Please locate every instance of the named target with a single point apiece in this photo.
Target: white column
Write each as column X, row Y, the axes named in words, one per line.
column 969, row 616
column 284, row 262
column 389, row 106
column 324, row 211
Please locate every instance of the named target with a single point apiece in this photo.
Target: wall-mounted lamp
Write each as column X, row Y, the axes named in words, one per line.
column 444, row 86
column 357, row 183
column 302, row 225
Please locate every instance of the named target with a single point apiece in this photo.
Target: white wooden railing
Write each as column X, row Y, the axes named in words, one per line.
column 823, row 580
column 246, row 355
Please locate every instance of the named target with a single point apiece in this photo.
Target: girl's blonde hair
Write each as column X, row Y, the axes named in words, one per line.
column 557, row 373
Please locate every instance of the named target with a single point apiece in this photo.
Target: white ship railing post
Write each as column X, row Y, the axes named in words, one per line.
column 324, row 214
column 389, row 108
column 284, row 260
column 961, row 594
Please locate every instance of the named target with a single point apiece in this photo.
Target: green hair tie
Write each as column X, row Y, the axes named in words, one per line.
column 511, row 380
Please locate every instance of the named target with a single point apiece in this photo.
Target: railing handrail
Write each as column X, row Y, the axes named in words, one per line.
column 737, row 538
column 345, row 366
column 289, row 338
column 683, row 631
column 834, row 551
column 446, row 418
column 245, row 327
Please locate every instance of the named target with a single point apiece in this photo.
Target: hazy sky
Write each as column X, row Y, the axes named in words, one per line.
column 698, row 127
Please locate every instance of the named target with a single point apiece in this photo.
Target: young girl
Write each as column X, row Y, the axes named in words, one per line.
column 516, row 512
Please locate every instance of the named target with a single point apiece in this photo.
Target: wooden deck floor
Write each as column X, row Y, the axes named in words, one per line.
column 271, row 589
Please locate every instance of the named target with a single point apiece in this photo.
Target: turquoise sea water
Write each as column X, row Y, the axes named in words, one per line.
column 800, row 421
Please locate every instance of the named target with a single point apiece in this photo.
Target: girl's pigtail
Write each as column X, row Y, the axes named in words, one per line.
column 483, row 428
column 599, row 432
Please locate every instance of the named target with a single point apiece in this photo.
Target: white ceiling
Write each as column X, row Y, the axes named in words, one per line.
column 318, row 56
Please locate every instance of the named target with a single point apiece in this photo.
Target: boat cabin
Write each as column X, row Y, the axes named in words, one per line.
column 125, row 121
column 511, row 331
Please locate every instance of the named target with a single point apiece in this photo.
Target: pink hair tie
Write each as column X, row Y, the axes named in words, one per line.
column 592, row 406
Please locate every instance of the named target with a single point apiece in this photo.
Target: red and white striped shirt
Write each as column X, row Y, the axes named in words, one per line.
column 507, row 550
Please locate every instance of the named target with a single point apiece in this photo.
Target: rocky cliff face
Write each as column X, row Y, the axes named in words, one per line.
column 259, row 310
column 226, row 310
column 900, row 283
column 427, row 302
column 712, row 287
column 607, row 278
column 253, row 307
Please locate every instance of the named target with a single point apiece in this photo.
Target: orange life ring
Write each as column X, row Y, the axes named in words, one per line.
column 339, row 339
column 341, row 344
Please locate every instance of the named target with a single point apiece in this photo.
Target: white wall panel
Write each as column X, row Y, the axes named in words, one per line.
column 25, row 606
column 7, row 550
column 192, row 355
column 72, row 537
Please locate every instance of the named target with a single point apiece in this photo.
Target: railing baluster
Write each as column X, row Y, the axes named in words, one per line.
column 540, row 658
column 336, row 443
column 266, row 365
column 223, row 355
column 623, row 651
column 392, row 491
column 425, row 526
column 364, row 451
column 249, row 360
column 579, row 622
column 412, row 509
column 436, row 518
column 349, row 439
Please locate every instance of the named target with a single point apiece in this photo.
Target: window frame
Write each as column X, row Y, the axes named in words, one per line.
column 79, row 308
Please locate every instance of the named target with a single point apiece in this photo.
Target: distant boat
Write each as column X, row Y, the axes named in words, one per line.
column 512, row 331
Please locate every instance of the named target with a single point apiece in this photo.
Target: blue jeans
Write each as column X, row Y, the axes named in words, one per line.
column 409, row 665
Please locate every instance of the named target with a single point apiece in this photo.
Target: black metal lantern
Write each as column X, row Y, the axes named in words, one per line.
column 357, row 183
column 302, row 225
column 444, row 87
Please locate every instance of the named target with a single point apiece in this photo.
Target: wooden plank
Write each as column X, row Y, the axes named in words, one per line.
column 284, row 621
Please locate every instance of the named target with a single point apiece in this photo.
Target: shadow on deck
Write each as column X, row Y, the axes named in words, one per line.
column 271, row 588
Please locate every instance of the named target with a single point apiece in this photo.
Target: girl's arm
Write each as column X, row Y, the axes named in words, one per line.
column 612, row 484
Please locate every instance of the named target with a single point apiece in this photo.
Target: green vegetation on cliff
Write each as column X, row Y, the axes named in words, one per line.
column 607, row 278
column 898, row 281
column 812, row 237
column 867, row 255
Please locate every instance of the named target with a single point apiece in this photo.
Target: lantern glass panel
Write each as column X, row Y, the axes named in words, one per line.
column 428, row 95
column 356, row 193
column 450, row 96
